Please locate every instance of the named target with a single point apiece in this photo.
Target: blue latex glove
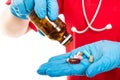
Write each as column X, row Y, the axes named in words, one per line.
column 106, row 57
column 22, row 8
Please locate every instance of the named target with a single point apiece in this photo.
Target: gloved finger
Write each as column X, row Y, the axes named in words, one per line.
column 63, row 68
column 102, row 65
column 67, row 69
column 19, row 7
column 15, row 12
column 40, row 8
column 52, row 6
column 42, row 69
column 29, row 5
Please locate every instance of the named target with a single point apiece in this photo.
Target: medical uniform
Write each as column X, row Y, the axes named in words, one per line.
column 108, row 15
column 91, row 24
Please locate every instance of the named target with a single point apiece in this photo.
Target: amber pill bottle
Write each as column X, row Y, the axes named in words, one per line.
column 54, row 30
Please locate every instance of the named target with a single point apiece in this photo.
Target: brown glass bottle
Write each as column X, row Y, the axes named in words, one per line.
column 55, row 30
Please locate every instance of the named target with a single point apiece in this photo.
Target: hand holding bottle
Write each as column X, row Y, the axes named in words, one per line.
column 22, row 8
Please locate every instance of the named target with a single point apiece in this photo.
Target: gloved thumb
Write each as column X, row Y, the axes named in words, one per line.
column 102, row 65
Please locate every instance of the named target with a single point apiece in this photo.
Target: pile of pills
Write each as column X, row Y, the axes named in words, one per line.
column 79, row 56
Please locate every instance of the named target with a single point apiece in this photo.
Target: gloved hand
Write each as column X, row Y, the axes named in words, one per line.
column 106, row 57
column 22, row 8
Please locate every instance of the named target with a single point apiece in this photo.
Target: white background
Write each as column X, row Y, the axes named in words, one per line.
column 21, row 57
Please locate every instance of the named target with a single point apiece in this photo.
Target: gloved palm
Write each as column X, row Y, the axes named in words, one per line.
column 106, row 57
column 22, row 8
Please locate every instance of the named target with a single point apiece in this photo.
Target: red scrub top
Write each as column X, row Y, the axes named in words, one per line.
column 109, row 13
